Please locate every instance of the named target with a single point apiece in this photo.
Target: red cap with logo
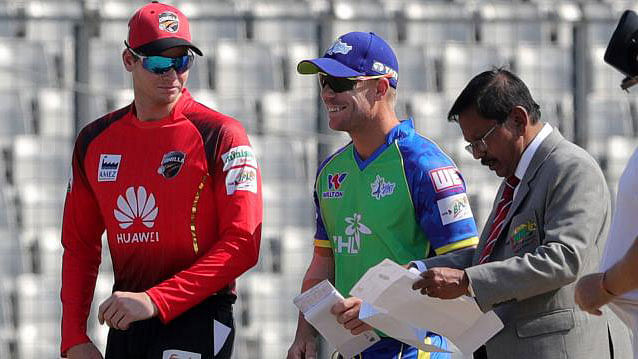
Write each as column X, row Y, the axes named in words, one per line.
column 156, row 27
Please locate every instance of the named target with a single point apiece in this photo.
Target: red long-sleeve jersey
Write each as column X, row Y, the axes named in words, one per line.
column 180, row 200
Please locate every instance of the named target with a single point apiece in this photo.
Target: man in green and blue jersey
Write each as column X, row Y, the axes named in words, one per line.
column 390, row 193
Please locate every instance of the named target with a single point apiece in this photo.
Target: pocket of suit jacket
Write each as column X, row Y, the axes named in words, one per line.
column 546, row 323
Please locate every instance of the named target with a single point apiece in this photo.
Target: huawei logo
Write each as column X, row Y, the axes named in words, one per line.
column 136, row 206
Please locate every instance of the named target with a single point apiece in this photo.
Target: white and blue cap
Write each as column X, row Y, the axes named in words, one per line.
column 355, row 54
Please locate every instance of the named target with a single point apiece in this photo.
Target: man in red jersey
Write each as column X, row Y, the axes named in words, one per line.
column 177, row 188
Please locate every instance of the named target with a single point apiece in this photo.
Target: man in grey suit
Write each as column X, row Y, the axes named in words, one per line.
column 547, row 228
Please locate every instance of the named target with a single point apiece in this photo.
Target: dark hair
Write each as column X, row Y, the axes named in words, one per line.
column 494, row 94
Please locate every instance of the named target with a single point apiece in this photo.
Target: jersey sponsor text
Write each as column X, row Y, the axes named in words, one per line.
column 445, row 178
column 454, row 208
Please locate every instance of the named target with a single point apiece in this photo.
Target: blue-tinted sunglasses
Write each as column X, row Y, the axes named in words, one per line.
column 162, row 64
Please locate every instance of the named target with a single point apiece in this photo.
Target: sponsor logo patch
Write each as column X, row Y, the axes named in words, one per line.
column 454, row 208
column 339, row 47
column 334, row 183
column 180, row 354
column 351, row 244
column 381, row 188
column 445, row 178
column 171, row 164
column 108, row 167
column 239, row 156
column 169, row 22
column 384, row 69
column 241, row 179
column 136, row 207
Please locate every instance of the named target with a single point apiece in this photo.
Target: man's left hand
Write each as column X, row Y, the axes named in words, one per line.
column 347, row 312
column 590, row 295
column 123, row 308
column 444, row 283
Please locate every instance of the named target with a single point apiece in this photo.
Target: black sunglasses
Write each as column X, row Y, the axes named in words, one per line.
column 343, row 84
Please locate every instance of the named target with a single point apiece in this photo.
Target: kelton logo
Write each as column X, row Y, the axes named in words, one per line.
column 169, row 22
column 136, row 207
column 171, row 164
column 334, row 183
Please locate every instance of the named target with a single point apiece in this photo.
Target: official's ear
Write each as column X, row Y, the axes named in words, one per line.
column 519, row 119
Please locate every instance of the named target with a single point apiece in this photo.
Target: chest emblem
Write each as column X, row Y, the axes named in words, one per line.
column 136, row 206
column 351, row 244
column 334, row 184
column 172, row 162
column 108, row 167
column 381, row 188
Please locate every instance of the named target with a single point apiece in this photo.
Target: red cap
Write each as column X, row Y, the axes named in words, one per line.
column 156, row 27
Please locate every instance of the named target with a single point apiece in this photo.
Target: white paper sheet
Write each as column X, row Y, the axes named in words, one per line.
column 315, row 304
column 388, row 286
column 380, row 319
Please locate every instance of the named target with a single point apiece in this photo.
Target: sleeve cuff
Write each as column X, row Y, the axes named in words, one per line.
column 470, row 289
column 419, row 265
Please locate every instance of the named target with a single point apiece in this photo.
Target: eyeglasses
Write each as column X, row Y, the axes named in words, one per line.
column 480, row 145
column 162, row 64
column 343, row 84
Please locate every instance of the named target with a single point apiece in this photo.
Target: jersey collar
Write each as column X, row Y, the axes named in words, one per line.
column 176, row 114
column 402, row 130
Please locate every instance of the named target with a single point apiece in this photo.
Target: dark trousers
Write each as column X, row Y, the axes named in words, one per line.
column 189, row 334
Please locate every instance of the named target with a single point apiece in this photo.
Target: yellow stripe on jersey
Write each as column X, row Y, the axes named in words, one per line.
column 473, row 241
column 323, row 243
column 422, row 354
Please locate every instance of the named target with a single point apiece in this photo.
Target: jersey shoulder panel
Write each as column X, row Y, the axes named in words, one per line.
column 91, row 131
column 215, row 129
column 422, row 154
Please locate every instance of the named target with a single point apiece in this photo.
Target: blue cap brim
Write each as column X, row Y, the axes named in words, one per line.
column 325, row 64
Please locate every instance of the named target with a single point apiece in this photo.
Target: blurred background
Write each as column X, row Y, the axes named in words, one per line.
column 60, row 68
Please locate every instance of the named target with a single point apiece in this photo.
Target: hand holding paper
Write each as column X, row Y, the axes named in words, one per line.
column 347, row 313
column 444, row 283
column 388, row 287
column 316, row 304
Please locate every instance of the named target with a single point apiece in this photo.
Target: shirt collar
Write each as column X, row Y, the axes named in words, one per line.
column 529, row 152
column 402, row 130
column 176, row 113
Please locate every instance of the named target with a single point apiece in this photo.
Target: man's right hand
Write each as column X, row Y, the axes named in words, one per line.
column 304, row 347
column 84, row 351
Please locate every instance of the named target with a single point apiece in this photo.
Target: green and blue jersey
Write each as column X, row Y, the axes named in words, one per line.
column 405, row 202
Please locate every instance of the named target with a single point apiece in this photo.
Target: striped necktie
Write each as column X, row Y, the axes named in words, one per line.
column 501, row 212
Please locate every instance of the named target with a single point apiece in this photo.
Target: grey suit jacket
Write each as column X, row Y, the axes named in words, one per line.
column 553, row 234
